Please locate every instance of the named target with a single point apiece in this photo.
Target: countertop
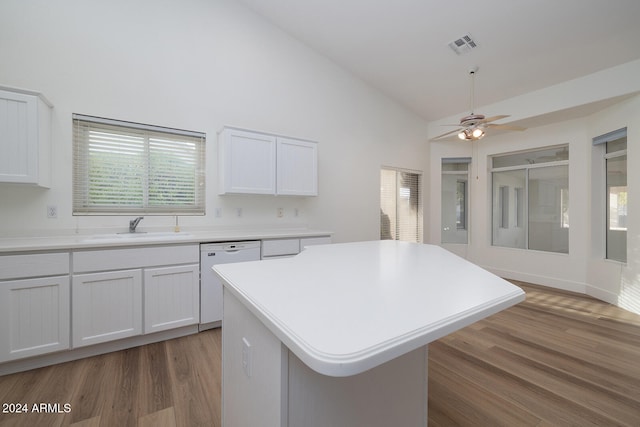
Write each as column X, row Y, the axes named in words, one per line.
column 105, row 240
column 345, row 308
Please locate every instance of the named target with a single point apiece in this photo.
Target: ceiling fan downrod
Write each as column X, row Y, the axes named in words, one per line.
column 474, row 131
column 472, row 96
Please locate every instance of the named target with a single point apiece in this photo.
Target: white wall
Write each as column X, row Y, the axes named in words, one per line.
column 583, row 269
column 611, row 280
column 200, row 65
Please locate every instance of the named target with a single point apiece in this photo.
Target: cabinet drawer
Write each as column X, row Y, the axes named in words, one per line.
column 280, row 247
column 33, row 265
column 310, row 241
column 118, row 259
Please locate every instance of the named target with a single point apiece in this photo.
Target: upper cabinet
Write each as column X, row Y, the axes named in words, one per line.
column 259, row 163
column 297, row 167
column 25, row 137
column 246, row 162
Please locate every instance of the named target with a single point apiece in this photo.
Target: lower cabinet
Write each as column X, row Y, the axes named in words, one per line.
column 284, row 248
column 171, row 297
column 106, row 306
column 124, row 292
column 118, row 304
column 34, row 317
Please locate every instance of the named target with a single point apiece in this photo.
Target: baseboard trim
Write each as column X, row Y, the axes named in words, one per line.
column 536, row 279
column 35, row 362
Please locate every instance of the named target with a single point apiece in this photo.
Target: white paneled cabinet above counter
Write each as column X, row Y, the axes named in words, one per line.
column 25, row 137
column 252, row 162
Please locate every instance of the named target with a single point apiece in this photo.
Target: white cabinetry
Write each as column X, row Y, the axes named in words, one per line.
column 284, row 248
column 247, row 162
column 310, row 241
column 171, row 297
column 118, row 293
column 106, row 306
column 297, row 167
column 259, row 163
column 25, row 137
column 34, row 312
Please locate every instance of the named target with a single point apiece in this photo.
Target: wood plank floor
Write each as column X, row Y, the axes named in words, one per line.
column 557, row 359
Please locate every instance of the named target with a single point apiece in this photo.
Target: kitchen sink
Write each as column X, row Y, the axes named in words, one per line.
column 144, row 234
column 141, row 235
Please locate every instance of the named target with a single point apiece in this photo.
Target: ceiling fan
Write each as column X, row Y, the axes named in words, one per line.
column 473, row 126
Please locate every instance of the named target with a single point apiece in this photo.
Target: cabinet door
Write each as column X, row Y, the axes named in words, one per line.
column 106, row 306
column 171, row 297
column 247, row 162
column 34, row 314
column 25, row 125
column 297, row 167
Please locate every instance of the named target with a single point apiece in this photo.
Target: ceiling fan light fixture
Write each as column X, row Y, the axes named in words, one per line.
column 471, row 134
column 477, row 133
column 472, row 127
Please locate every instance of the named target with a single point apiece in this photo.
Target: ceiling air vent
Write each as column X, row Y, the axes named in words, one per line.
column 463, row 45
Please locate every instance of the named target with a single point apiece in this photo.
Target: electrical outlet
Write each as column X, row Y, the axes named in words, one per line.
column 280, row 212
column 218, row 212
column 52, row 211
column 296, row 212
column 239, row 212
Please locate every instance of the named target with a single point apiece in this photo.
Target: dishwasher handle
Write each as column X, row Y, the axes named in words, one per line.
column 228, row 249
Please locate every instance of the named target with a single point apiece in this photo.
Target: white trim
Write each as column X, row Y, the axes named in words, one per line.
column 93, row 350
column 134, row 125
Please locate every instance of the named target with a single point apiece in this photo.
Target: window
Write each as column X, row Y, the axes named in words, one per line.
column 400, row 205
column 455, row 196
column 129, row 168
column 531, row 200
column 504, row 206
column 613, row 149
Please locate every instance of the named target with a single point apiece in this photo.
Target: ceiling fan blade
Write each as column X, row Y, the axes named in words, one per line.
column 494, row 118
column 446, row 134
column 506, row 127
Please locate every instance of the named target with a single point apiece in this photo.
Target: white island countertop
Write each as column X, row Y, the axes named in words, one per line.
column 346, row 308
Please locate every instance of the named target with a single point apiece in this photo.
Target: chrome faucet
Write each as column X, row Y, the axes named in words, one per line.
column 134, row 223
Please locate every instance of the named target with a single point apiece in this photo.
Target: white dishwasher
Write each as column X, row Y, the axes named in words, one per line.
column 210, row 284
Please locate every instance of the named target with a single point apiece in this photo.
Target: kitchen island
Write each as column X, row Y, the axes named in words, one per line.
column 339, row 334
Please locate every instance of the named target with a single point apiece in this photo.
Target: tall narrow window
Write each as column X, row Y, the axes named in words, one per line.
column 130, row 168
column 537, row 215
column 455, row 200
column 461, row 204
column 614, row 152
column 519, row 201
column 505, row 231
column 504, row 206
column 400, row 205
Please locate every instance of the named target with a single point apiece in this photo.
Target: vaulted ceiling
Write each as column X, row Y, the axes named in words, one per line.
column 402, row 47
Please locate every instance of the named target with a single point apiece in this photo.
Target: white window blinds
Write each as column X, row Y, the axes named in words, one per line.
column 129, row 168
column 400, row 205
